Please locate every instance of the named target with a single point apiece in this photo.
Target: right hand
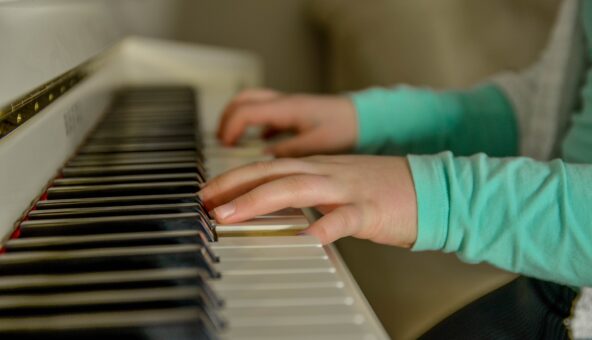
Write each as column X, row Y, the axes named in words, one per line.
column 322, row 124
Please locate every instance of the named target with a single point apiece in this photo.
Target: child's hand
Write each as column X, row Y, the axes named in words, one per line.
column 364, row 196
column 323, row 124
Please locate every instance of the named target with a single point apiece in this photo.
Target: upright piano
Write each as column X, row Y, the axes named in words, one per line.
column 104, row 141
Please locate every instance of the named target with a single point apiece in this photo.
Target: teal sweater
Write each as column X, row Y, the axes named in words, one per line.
column 525, row 216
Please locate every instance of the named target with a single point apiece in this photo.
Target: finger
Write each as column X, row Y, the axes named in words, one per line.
column 279, row 114
column 233, row 183
column 254, row 94
column 249, row 95
column 308, row 143
column 295, row 191
column 343, row 221
column 269, row 133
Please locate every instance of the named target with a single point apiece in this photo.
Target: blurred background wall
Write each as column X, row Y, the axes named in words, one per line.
column 334, row 45
column 337, row 45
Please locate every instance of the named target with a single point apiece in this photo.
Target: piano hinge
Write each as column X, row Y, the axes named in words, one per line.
column 16, row 113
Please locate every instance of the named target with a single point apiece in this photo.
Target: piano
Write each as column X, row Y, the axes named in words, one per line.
column 104, row 141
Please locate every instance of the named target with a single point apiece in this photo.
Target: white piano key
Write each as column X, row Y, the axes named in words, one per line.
column 280, row 224
column 262, row 242
column 274, row 267
column 241, row 254
column 310, row 318
column 286, row 297
column 263, row 313
column 277, row 281
column 330, row 331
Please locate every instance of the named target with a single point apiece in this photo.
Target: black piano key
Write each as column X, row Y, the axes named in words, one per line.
column 107, row 259
column 143, row 131
column 120, row 121
column 125, row 179
column 128, row 139
column 121, row 200
column 132, row 155
column 110, row 300
column 168, row 98
column 131, row 147
column 147, row 108
column 178, row 159
column 116, row 210
column 122, row 189
column 188, row 323
column 133, row 169
column 152, row 238
column 127, row 279
column 117, row 224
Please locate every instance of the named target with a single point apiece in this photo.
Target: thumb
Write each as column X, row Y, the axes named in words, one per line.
column 343, row 221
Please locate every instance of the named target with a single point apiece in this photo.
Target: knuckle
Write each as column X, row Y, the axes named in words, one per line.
column 298, row 183
column 264, row 167
column 246, row 201
column 350, row 217
column 215, row 186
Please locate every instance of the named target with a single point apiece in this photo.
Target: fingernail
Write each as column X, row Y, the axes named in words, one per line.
column 199, row 195
column 224, row 211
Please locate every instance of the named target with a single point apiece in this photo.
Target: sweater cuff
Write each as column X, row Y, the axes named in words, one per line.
column 433, row 204
column 373, row 107
column 390, row 121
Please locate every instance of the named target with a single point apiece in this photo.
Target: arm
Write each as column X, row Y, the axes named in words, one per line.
column 518, row 214
column 522, row 215
column 413, row 120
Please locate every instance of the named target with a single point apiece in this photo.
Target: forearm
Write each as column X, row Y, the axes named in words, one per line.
column 413, row 120
column 524, row 216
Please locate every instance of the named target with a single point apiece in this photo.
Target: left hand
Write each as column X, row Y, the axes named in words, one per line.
column 368, row 197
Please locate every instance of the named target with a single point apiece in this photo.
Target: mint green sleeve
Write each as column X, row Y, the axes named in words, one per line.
column 521, row 215
column 416, row 120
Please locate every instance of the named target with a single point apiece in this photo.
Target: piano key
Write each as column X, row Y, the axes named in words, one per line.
column 124, row 179
column 110, row 201
column 111, row 170
column 131, row 147
column 263, row 226
column 155, row 324
column 111, row 300
column 125, row 139
column 122, row 189
column 177, row 159
column 155, row 120
column 279, row 267
column 314, row 331
column 286, row 297
column 107, row 259
column 143, row 131
column 108, row 241
column 154, row 97
column 37, row 283
column 117, row 224
column 270, row 253
column 133, row 155
column 164, row 110
column 267, row 242
column 116, row 210
column 261, row 316
column 278, row 281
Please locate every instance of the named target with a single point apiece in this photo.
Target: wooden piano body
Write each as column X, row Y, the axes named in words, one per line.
column 61, row 62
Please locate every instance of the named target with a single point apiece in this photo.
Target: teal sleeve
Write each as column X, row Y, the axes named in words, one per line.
column 415, row 120
column 521, row 215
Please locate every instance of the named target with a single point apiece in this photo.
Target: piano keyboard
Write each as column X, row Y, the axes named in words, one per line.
column 119, row 246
